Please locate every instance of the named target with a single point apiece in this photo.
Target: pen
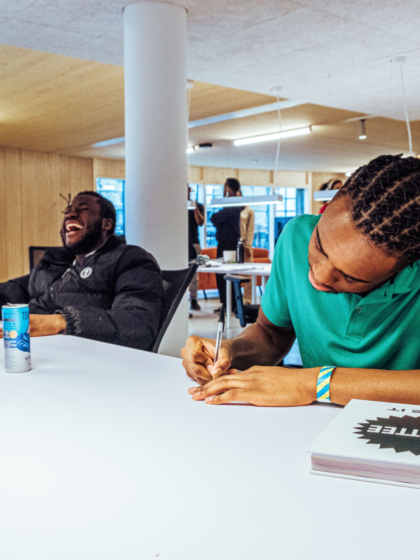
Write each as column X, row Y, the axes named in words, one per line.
column 220, row 329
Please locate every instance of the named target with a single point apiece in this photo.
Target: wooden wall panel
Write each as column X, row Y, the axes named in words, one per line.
column 218, row 175
column 30, row 212
column 249, row 177
column 111, row 168
column 195, row 174
column 257, row 177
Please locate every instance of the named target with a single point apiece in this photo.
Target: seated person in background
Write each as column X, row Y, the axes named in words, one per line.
column 96, row 286
column 347, row 285
column 330, row 185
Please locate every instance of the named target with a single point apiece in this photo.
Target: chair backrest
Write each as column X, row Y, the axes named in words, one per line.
column 175, row 284
column 245, row 313
column 210, row 251
column 260, row 253
column 36, row 254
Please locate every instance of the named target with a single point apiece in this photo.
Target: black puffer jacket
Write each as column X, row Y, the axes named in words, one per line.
column 114, row 295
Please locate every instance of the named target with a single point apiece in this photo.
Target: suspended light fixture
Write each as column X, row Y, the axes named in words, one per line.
column 401, row 60
column 245, row 200
column 275, row 136
column 323, row 196
column 362, row 129
column 349, row 173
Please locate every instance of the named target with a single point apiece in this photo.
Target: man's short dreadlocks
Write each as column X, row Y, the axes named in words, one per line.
column 386, row 204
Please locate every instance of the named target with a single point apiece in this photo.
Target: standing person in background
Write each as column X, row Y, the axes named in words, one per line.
column 228, row 231
column 330, row 185
column 247, row 224
column 195, row 219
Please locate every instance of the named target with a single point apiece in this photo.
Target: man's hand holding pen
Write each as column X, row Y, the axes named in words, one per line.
column 198, row 359
column 209, row 363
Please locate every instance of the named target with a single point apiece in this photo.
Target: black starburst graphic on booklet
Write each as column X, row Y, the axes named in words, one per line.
column 400, row 434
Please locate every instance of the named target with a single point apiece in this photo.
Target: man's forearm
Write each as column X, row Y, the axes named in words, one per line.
column 199, row 218
column 256, row 345
column 375, row 385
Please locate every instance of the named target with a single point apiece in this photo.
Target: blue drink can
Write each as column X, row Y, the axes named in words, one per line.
column 17, row 348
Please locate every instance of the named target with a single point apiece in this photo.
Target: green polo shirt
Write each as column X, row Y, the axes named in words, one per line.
column 380, row 330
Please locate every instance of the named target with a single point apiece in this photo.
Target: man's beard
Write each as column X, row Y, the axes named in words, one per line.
column 88, row 241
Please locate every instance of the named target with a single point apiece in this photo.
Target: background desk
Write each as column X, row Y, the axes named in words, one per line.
column 105, row 457
column 246, row 269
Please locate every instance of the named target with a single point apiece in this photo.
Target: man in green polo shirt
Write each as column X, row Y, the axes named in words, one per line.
column 347, row 285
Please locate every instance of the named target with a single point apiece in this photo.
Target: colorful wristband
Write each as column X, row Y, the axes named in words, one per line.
column 323, row 384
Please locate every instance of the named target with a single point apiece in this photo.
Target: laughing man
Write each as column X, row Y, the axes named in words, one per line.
column 96, row 286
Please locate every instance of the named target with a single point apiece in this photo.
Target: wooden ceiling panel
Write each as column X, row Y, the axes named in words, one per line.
column 325, row 121
column 54, row 103
column 51, row 103
column 208, row 100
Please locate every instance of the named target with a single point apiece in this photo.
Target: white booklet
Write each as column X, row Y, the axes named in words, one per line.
column 372, row 441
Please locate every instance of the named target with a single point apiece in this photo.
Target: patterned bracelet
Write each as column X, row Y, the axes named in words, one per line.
column 323, row 384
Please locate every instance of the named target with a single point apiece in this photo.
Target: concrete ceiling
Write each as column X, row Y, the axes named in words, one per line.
column 329, row 52
column 335, row 54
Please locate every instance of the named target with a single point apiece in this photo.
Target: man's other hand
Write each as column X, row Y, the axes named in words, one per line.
column 45, row 325
column 198, row 359
column 261, row 386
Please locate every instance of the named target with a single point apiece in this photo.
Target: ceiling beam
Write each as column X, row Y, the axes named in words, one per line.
column 286, row 104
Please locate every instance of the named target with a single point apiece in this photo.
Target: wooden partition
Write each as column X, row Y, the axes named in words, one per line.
column 30, row 205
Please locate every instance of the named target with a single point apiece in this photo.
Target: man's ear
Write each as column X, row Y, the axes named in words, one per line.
column 107, row 223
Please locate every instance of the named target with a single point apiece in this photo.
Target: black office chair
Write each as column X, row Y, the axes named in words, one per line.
column 246, row 313
column 175, row 284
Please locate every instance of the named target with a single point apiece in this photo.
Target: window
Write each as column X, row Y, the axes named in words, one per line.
column 262, row 216
column 292, row 205
column 113, row 190
column 212, row 191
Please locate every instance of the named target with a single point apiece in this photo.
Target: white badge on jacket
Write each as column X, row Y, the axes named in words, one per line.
column 86, row 272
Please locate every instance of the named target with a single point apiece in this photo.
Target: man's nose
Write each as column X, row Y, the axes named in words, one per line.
column 324, row 273
column 72, row 213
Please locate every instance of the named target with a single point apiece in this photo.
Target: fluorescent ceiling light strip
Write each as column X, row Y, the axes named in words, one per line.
column 245, row 200
column 323, row 196
column 108, row 142
column 275, row 136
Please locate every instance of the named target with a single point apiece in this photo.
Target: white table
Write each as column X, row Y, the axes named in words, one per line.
column 246, row 269
column 104, row 456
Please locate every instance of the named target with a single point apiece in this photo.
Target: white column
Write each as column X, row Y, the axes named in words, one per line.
column 155, row 140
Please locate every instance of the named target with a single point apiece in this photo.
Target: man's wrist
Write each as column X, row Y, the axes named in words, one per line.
column 310, row 379
column 60, row 322
column 227, row 344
